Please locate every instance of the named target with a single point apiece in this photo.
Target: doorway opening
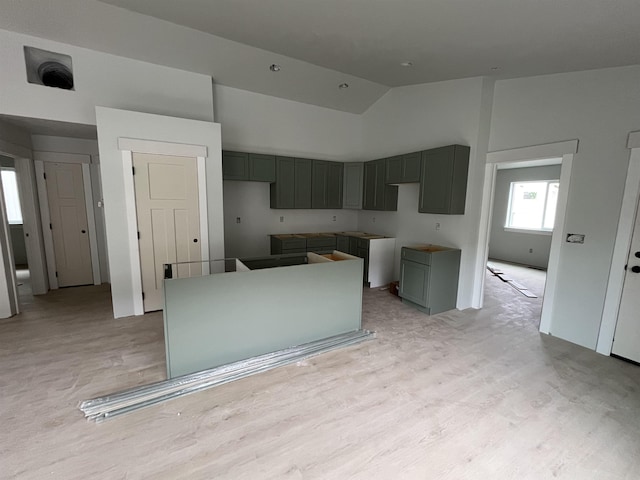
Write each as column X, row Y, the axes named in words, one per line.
column 13, row 206
column 523, row 218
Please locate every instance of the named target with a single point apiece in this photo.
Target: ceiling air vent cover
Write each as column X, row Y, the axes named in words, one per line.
column 48, row 68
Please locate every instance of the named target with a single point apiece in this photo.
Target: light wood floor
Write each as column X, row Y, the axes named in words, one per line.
column 460, row 395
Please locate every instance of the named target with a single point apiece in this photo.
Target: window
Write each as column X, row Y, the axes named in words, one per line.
column 532, row 205
column 11, row 197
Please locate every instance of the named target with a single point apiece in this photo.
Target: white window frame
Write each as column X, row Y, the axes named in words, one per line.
column 535, row 231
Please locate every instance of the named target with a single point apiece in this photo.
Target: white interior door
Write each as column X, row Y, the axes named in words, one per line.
column 626, row 341
column 168, row 220
column 69, row 227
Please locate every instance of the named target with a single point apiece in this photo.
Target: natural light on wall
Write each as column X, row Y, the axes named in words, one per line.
column 11, row 197
column 532, row 205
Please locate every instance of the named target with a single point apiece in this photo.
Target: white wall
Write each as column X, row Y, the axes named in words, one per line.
column 49, row 143
column 253, row 122
column 419, row 117
column 599, row 108
column 114, row 124
column 100, row 79
column 515, row 246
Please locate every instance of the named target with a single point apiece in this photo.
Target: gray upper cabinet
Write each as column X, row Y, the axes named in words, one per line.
column 326, row 189
column 283, row 191
column 443, row 180
column 262, row 168
column 235, row 165
column 377, row 195
column 302, row 183
column 352, row 185
column 334, row 184
column 403, row 168
column 253, row 167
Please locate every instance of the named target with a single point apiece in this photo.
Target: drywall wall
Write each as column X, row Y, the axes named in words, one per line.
column 100, row 79
column 115, row 124
column 258, row 123
column 519, row 247
column 419, row 117
column 49, row 143
column 599, row 108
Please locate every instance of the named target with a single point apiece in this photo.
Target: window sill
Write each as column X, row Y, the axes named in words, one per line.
column 532, row 232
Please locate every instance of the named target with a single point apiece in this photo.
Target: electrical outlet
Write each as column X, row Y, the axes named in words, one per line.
column 373, row 219
column 334, row 218
column 281, row 219
column 531, row 250
column 237, row 219
column 437, row 226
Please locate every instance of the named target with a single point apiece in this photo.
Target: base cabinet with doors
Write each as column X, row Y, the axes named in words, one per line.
column 429, row 277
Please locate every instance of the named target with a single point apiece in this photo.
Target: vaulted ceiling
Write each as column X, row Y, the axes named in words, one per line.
column 320, row 44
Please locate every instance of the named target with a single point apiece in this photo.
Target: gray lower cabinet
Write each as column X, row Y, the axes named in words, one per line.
column 352, row 185
column 288, row 244
column 429, row 277
column 377, row 195
column 403, row 168
column 253, row 167
column 443, row 180
column 342, row 243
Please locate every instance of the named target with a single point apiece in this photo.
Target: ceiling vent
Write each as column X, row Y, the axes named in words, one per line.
column 50, row 69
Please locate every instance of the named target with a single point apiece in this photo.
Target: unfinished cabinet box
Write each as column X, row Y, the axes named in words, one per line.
column 429, row 277
column 377, row 195
column 235, row 165
column 352, row 185
column 326, row 185
column 443, row 180
column 403, row 168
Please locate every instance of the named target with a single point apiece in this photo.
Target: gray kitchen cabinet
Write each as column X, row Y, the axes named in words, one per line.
column 322, row 243
column 288, row 243
column 403, row 168
column 429, row 277
column 342, row 243
column 282, row 192
column 443, row 180
column 262, row 168
column 254, row 167
column 235, row 165
column 352, row 185
column 377, row 195
column 302, row 183
column 326, row 185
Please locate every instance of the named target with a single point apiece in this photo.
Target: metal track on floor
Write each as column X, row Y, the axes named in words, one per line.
column 104, row 408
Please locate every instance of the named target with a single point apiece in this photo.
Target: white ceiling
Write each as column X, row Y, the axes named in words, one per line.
column 323, row 43
column 445, row 39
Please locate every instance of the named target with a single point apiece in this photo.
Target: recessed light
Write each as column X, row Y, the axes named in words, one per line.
column 274, row 67
column 343, row 85
column 407, row 64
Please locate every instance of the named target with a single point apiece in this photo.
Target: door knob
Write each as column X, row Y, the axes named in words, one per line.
column 84, row 231
column 195, row 240
column 637, row 254
column 635, row 269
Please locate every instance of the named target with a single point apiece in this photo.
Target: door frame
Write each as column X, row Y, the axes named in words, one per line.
column 626, row 223
column 85, row 160
column 129, row 146
column 523, row 157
